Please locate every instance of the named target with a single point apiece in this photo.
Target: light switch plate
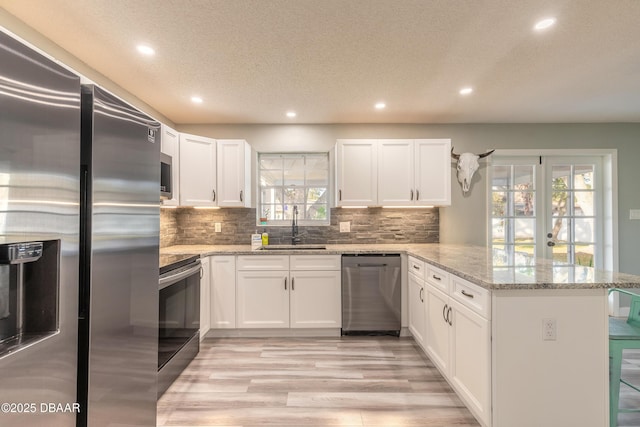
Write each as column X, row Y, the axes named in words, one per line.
column 345, row 227
column 218, row 227
column 634, row 213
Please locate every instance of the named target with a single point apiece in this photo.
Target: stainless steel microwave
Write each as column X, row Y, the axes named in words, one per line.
column 166, row 190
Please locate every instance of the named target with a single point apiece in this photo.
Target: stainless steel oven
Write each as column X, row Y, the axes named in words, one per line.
column 179, row 315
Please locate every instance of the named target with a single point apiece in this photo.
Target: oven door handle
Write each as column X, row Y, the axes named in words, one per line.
column 170, row 280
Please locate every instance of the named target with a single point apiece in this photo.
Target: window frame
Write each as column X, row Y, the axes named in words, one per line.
column 302, row 220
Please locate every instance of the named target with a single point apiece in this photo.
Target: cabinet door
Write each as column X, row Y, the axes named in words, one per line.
column 357, row 172
column 197, row 171
column 223, row 292
column 205, row 297
column 316, row 299
column 262, row 299
column 433, row 172
column 416, row 308
column 395, row 172
column 470, row 371
column 169, row 146
column 437, row 328
column 233, row 167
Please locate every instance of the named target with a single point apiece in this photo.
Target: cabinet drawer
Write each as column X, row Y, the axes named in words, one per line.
column 263, row 262
column 472, row 296
column 315, row 262
column 438, row 278
column 416, row 267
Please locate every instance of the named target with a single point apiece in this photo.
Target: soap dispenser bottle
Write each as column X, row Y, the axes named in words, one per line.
column 265, row 237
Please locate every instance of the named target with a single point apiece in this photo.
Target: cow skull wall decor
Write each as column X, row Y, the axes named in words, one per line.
column 467, row 165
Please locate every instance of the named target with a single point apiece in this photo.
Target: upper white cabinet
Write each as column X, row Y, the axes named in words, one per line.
column 357, row 171
column 197, row 171
column 393, row 172
column 169, row 145
column 234, row 173
column 432, row 172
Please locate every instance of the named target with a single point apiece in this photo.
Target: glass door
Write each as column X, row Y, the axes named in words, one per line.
column 546, row 207
column 573, row 229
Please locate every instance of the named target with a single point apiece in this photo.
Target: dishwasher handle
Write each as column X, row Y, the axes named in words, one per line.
column 371, row 265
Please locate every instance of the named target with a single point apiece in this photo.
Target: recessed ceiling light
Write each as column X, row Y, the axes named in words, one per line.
column 466, row 90
column 146, row 50
column 544, row 24
column 196, row 100
column 291, row 114
column 380, row 105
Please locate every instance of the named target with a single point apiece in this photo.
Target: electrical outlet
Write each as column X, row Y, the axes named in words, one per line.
column 345, row 227
column 634, row 213
column 218, row 227
column 549, row 329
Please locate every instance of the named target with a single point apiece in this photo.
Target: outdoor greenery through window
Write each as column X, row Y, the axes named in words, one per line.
column 293, row 179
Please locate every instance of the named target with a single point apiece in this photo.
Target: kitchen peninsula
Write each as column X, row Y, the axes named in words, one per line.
column 482, row 324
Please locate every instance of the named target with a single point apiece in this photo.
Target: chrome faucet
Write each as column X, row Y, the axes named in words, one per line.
column 294, row 226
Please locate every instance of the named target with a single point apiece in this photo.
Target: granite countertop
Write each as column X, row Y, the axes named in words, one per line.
column 476, row 264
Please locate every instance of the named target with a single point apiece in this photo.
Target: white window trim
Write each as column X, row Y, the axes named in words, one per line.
column 301, row 221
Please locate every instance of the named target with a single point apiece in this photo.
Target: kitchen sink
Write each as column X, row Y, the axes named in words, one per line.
column 292, row 247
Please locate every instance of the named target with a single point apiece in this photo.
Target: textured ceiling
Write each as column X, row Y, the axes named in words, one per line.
column 331, row 60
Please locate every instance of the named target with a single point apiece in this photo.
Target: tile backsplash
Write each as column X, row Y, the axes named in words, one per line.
column 188, row 226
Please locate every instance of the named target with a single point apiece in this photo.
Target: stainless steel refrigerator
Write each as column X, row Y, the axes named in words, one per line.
column 79, row 238
column 119, row 263
column 39, row 204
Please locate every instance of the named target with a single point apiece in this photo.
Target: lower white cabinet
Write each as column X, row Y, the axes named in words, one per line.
column 315, row 299
column 458, row 339
column 263, row 299
column 270, row 295
column 223, row 292
column 205, row 297
column 417, row 296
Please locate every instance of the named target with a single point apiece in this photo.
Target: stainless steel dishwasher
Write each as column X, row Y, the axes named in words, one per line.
column 371, row 295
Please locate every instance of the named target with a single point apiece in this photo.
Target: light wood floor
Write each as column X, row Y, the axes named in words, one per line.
column 347, row 382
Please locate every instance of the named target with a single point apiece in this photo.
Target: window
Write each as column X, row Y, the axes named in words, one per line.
column 293, row 179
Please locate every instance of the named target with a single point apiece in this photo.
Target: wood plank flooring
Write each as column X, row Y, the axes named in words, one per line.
column 311, row 382
column 347, row 382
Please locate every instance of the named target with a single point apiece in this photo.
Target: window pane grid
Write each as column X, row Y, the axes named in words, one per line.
column 293, row 179
column 513, row 212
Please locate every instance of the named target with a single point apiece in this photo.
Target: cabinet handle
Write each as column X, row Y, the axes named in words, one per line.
column 449, row 317
column 411, row 195
column 416, row 267
column 201, row 272
column 214, row 196
column 340, row 195
column 466, row 294
column 444, row 313
column 293, row 283
column 285, row 283
column 417, row 195
column 436, row 277
column 241, row 195
column 421, row 294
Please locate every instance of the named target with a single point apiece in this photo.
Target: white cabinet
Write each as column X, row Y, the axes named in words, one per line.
column 197, row 171
column 432, row 172
column 223, row 292
column 263, row 299
column 458, row 337
column 393, row 172
column 169, row 145
column 233, row 173
column 417, row 299
column 356, row 169
column 205, row 297
column 272, row 296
